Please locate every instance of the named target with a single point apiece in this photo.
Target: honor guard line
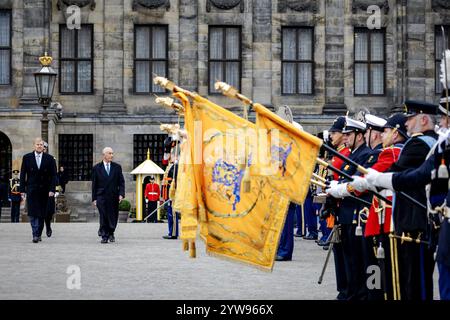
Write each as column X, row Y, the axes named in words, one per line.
column 232, row 92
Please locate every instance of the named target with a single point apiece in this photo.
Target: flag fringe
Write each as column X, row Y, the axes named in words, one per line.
column 234, row 260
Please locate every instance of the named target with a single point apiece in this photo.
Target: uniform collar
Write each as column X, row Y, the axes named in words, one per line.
column 340, row 148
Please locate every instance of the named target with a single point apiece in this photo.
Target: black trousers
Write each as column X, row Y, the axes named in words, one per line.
column 151, row 206
column 49, row 214
column 369, row 248
column 15, row 211
column 354, row 263
column 48, row 224
column 109, row 215
column 341, row 276
column 416, row 265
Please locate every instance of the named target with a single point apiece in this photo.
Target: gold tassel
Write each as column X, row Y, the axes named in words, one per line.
column 185, row 245
column 443, row 171
column 192, row 250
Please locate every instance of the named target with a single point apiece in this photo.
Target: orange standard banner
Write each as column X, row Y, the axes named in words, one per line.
column 237, row 225
column 288, row 157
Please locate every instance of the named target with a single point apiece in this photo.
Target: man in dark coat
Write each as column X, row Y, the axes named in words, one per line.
column 37, row 185
column 108, row 190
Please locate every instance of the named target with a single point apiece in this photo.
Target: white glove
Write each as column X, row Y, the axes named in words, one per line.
column 146, row 200
column 337, row 190
column 378, row 179
column 56, row 194
column 360, row 184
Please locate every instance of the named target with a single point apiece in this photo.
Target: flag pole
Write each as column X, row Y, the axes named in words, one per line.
column 363, row 170
column 445, row 72
column 169, row 85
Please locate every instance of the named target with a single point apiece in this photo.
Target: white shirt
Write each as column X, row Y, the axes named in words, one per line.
column 38, row 157
column 106, row 164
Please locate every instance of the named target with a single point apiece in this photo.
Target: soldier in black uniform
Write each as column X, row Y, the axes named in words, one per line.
column 430, row 172
column 14, row 196
column 375, row 127
column 415, row 260
column 348, row 211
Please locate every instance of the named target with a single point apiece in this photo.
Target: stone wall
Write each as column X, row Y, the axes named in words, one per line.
column 113, row 113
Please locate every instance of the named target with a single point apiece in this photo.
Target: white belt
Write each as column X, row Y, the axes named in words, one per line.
column 153, row 193
column 386, row 193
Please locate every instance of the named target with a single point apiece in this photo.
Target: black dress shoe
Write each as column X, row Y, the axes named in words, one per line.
column 326, row 247
column 298, row 235
column 169, row 237
column 49, row 232
column 112, row 239
column 104, row 240
column 280, row 258
column 310, row 237
column 35, row 239
column 39, row 238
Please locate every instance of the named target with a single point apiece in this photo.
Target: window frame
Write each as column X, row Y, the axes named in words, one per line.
column 369, row 61
column 9, row 11
column 437, row 29
column 139, row 138
column 150, row 59
column 224, row 60
column 76, row 60
column 71, row 157
column 297, row 61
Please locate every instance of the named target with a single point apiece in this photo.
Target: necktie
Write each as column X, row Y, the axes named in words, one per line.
column 38, row 161
column 107, row 168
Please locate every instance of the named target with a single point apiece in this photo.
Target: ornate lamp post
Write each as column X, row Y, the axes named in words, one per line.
column 45, row 84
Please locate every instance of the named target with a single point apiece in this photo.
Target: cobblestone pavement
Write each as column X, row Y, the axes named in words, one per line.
column 141, row 265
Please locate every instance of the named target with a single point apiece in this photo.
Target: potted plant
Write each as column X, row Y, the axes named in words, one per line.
column 132, row 215
column 124, row 209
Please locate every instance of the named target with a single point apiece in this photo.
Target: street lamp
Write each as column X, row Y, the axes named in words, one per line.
column 45, row 84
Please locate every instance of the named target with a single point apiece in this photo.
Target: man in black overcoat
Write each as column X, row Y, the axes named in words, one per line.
column 37, row 185
column 108, row 190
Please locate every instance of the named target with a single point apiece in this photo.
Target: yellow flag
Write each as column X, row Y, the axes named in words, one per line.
column 289, row 156
column 186, row 201
column 240, row 226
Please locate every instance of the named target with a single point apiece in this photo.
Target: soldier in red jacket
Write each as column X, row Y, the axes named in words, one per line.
column 378, row 223
column 152, row 195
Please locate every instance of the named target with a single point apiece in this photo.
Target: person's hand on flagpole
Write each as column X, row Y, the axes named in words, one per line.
column 337, row 190
column 378, row 179
column 360, row 184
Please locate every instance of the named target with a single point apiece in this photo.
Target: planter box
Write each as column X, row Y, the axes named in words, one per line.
column 62, row 217
column 123, row 216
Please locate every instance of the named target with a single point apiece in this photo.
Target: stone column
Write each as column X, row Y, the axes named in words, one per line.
column 262, row 51
column 35, row 39
column 334, row 57
column 188, row 29
column 415, row 50
column 113, row 58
